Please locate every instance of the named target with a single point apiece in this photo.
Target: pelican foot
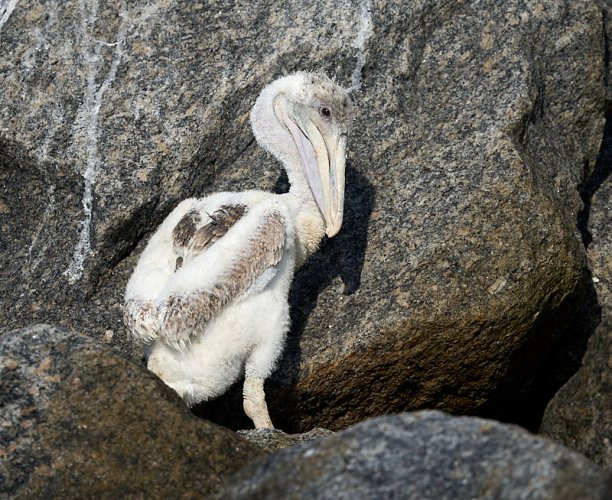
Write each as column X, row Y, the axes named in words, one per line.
column 255, row 403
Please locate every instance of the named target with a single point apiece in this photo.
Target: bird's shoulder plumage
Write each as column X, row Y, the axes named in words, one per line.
column 207, row 253
column 191, row 237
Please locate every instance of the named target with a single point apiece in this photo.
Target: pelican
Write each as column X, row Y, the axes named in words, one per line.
column 209, row 295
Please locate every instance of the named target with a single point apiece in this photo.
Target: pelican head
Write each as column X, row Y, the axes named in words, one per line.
column 307, row 131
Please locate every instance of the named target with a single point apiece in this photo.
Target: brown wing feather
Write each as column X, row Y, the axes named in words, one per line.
column 191, row 240
column 185, row 229
column 186, row 316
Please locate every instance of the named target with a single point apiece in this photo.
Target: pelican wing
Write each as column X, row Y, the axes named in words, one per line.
column 237, row 260
column 189, row 240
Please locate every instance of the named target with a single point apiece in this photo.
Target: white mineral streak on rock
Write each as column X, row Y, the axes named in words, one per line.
column 359, row 43
column 86, row 124
column 50, row 207
column 6, row 9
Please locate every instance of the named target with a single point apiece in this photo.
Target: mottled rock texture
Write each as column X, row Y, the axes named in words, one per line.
column 272, row 440
column 580, row 414
column 460, row 256
column 80, row 421
column 425, row 455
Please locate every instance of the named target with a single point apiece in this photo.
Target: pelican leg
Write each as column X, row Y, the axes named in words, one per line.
column 255, row 403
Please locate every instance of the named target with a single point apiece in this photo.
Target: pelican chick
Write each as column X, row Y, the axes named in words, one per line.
column 209, row 295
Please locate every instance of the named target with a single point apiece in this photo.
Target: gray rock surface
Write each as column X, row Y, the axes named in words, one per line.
column 80, row 421
column 425, row 455
column 476, row 122
column 580, row 414
column 273, row 440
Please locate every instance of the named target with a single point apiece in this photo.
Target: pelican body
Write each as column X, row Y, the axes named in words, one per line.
column 209, row 295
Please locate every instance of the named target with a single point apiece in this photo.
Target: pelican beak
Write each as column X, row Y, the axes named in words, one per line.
column 329, row 153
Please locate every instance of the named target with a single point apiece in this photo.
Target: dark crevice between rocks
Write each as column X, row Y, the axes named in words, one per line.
column 342, row 256
column 121, row 242
column 125, row 239
column 576, row 319
column 566, row 355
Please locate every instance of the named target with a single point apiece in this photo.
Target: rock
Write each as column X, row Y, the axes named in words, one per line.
column 80, row 420
column 459, row 254
column 273, row 440
column 426, row 455
column 580, row 414
column 457, row 300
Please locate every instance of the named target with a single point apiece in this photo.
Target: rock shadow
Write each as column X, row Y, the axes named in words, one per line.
column 566, row 357
column 343, row 257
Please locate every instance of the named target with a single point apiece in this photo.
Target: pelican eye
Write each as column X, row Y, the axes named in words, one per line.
column 326, row 112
